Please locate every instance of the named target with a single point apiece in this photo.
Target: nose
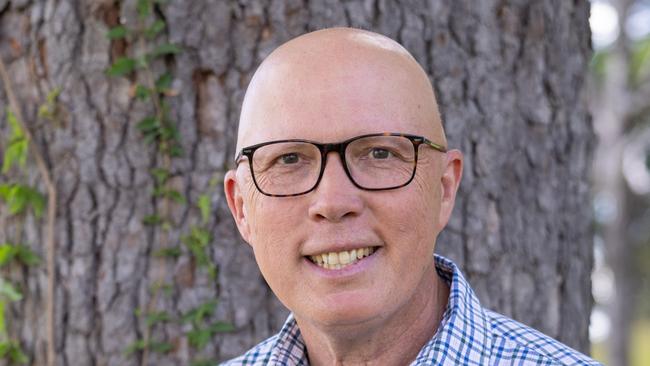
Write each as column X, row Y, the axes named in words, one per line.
column 336, row 197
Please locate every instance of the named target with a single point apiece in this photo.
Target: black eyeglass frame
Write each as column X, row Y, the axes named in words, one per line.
column 338, row 147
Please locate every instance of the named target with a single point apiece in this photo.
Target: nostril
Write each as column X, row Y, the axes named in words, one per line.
column 335, row 209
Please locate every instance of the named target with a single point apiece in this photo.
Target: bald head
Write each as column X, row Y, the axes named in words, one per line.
column 331, row 83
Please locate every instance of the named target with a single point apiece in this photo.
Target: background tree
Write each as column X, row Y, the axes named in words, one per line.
column 619, row 95
column 136, row 236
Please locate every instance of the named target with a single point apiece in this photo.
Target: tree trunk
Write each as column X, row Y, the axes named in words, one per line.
column 509, row 76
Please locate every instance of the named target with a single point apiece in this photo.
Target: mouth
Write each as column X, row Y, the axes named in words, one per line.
column 343, row 259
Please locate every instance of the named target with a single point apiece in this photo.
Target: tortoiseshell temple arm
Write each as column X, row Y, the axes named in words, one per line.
column 435, row 146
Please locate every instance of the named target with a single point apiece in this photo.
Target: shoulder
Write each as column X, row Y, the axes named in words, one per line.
column 256, row 356
column 515, row 343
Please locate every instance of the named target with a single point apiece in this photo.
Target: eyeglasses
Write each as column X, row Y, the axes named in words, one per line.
column 373, row 162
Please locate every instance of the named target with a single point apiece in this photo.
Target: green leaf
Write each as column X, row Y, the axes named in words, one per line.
column 212, row 270
column 164, row 82
column 137, row 345
column 53, row 95
column 9, row 292
column 48, row 109
column 197, row 242
column 16, row 130
column 154, row 29
column 198, row 338
column 204, row 206
column 166, row 226
column 148, row 124
column 20, row 197
column 26, row 256
column 20, row 253
column 3, row 322
column 173, row 252
column 143, row 8
column 199, row 313
column 117, row 32
column 165, row 49
column 142, row 92
column 121, row 66
column 17, row 200
column 36, row 201
column 16, row 152
column 175, row 151
column 157, row 317
column 7, row 253
column 4, row 191
column 45, row 112
column 202, row 236
column 11, row 350
column 174, row 195
column 161, row 175
column 169, row 132
column 167, row 288
column 152, row 220
column 161, row 347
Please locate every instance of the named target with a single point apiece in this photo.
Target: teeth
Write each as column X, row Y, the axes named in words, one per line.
column 344, row 258
column 338, row 260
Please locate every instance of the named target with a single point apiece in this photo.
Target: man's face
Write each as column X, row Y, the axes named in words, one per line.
column 331, row 101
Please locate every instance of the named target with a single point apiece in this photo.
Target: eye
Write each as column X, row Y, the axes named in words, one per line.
column 379, row 153
column 290, row 158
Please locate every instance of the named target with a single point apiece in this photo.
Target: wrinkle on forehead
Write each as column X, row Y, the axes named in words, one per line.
column 317, row 63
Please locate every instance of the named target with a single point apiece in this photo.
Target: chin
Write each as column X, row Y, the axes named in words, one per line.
column 347, row 311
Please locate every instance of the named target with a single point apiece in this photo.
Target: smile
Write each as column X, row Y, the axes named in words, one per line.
column 338, row 260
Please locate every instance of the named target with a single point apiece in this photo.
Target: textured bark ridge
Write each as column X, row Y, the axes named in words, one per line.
column 509, row 76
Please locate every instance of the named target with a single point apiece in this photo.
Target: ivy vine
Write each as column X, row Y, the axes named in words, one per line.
column 19, row 199
column 159, row 129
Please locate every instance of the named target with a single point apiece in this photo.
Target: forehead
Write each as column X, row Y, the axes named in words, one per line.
column 337, row 93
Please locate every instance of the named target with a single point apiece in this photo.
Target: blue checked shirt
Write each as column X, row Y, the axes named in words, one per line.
column 467, row 335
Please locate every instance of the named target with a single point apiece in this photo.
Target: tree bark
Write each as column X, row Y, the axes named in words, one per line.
column 509, row 77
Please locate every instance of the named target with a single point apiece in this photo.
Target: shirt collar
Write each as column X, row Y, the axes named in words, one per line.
column 462, row 334
column 464, row 329
column 289, row 348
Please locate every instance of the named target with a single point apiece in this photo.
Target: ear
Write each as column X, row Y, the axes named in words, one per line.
column 450, row 180
column 236, row 203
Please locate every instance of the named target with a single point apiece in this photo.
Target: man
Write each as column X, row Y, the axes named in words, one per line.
column 343, row 183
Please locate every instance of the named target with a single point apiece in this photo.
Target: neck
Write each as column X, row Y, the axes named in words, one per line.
column 393, row 340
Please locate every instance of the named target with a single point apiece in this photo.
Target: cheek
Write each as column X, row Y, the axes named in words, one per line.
column 413, row 226
column 273, row 236
column 427, row 204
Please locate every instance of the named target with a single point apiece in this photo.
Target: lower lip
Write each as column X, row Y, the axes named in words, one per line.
column 347, row 271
